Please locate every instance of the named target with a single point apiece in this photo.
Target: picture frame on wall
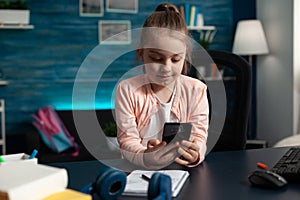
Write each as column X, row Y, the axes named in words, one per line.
column 122, row 6
column 114, row 31
column 91, row 8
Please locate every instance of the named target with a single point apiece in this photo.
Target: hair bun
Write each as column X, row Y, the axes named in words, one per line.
column 167, row 7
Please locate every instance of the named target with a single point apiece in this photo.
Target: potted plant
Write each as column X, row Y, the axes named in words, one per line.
column 14, row 12
column 110, row 131
column 206, row 38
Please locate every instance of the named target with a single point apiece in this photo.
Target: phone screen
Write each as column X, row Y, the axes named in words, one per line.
column 174, row 132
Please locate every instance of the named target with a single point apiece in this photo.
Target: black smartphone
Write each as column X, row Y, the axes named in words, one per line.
column 174, row 132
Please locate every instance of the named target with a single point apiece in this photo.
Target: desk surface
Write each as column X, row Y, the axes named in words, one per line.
column 223, row 175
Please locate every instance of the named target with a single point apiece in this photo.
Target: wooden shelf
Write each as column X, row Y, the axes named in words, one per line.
column 16, row 26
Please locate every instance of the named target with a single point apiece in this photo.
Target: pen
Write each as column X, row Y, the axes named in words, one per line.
column 1, row 159
column 33, row 154
column 144, row 177
column 261, row 165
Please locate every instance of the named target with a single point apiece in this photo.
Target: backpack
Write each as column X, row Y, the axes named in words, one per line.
column 53, row 132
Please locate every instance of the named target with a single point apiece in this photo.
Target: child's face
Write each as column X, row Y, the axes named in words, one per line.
column 164, row 62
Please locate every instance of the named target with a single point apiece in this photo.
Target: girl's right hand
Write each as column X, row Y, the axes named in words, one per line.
column 158, row 154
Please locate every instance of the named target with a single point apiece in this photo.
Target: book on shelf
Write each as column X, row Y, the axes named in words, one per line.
column 187, row 8
column 29, row 181
column 191, row 14
column 137, row 186
column 196, row 16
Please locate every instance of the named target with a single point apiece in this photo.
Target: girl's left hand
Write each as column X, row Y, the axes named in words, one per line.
column 189, row 152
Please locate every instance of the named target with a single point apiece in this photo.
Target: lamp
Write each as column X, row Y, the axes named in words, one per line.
column 250, row 39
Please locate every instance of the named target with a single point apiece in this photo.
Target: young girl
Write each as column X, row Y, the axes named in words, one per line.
column 163, row 94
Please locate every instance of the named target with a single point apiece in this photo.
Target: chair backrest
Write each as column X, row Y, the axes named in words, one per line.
column 237, row 84
column 238, row 94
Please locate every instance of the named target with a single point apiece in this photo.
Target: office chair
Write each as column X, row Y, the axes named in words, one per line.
column 237, row 83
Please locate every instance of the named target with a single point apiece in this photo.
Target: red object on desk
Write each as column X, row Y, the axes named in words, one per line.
column 261, row 165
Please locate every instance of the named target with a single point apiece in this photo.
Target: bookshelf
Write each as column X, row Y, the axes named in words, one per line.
column 194, row 19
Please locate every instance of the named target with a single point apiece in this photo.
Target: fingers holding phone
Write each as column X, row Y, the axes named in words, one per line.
column 189, row 152
column 175, row 143
column 153, row 142
column 159, row 154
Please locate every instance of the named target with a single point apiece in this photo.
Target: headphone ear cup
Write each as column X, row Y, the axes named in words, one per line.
column 153, row 187
column 110, row 183
column 160, row 187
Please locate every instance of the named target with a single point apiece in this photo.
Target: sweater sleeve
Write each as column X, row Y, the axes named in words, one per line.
column 199, row 111
column 128, row 134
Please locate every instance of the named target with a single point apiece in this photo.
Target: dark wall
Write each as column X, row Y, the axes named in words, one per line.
column 41, row 64
column 243, row 10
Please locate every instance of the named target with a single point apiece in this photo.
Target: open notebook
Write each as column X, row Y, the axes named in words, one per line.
column 137, row 186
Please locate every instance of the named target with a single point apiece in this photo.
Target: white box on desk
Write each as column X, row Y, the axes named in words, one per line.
column 26, row 181
column 17, row 158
